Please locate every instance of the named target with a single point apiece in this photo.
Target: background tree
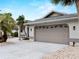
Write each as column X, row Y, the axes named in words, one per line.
column 20, row 21
column 7, row 23
column 67, row 2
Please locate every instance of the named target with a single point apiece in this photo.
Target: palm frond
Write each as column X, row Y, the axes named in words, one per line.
column 7, row 22
column 64, row 2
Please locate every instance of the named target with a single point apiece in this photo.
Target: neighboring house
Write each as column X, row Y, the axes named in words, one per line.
column 55, row 27
column 22, row 34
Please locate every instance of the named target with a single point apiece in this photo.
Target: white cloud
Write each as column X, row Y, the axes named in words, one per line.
column 41, row 9
column 5, row 10
column 15, row 13
column 66, row 10
column 33, row 4
column 45, row 9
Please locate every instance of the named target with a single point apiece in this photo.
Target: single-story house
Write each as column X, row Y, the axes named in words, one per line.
column 55, row 28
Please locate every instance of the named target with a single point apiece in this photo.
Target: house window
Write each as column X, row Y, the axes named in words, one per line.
column 36, row 27
column 56, row 26
column 65, row 26
column 51, row 26
column 40, row 27
column 61, row 26
column 47, row 27
column 43, row 27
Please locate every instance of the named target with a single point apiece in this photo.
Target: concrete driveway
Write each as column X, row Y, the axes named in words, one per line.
column 15, row 49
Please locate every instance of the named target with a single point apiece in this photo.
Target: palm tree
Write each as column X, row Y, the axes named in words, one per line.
column 6, row 24
column 67, row 2
column 20, row 21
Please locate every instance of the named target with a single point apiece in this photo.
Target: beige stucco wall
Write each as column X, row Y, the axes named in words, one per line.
column 74, row 34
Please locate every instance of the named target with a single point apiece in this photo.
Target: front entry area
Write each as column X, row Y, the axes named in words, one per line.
column 52, row 33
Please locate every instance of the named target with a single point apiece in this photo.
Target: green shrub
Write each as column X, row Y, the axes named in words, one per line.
column 15, row 34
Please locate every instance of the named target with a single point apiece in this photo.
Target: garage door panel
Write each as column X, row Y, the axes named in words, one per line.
column 55, row 35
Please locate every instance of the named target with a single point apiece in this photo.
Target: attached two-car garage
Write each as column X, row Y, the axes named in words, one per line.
column 52, row 33
column 58, row 29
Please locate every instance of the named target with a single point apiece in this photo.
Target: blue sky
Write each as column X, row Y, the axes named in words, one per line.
column 33, row 9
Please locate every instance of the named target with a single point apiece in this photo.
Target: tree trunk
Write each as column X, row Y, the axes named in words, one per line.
column 5, row 36
column 77, row 4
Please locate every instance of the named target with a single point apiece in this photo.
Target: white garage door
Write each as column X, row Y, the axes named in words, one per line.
column 55, row 34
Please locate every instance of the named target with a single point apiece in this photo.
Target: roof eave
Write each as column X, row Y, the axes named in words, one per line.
column 47, row 21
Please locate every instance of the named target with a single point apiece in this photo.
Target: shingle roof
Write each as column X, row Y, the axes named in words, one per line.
column 52, row 14
column 57, row 17
column 54, row 19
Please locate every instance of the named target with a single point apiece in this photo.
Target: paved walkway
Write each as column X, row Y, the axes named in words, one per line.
column 15, row 49
column 66, row 53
